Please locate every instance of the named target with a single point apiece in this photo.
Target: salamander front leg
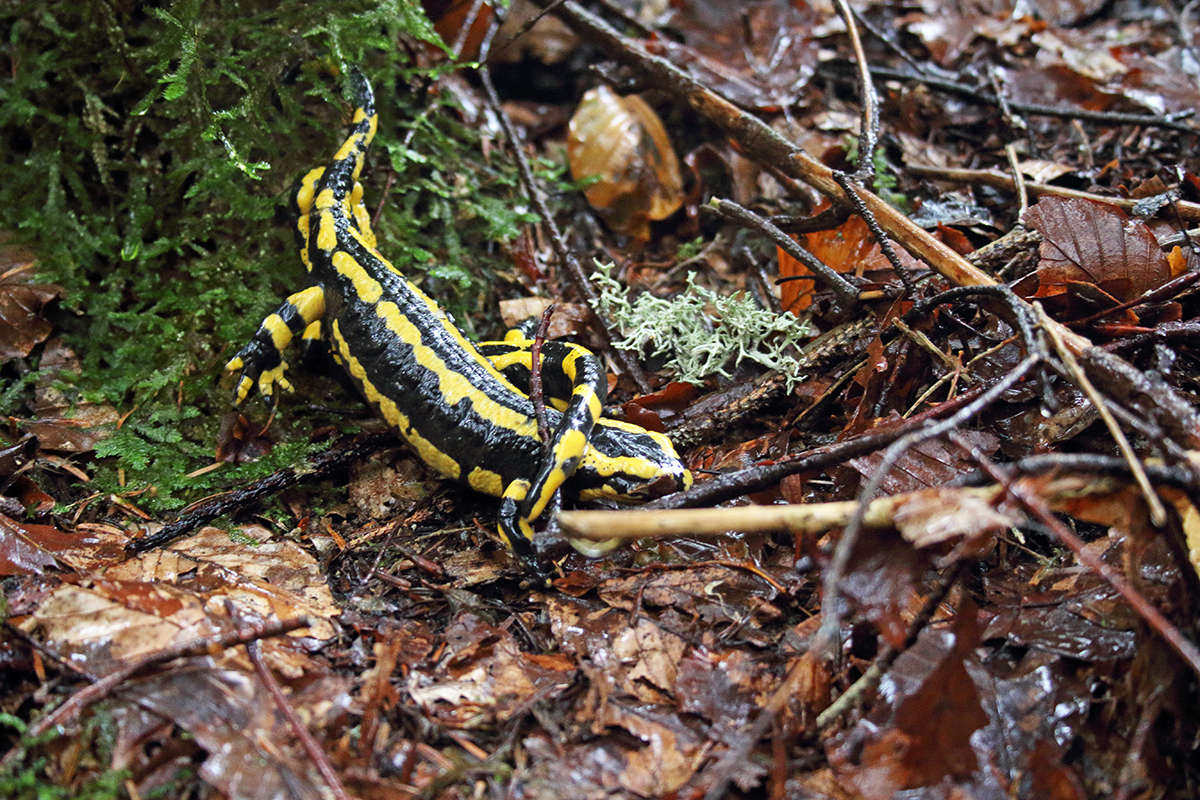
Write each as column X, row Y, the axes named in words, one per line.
column 261, row 360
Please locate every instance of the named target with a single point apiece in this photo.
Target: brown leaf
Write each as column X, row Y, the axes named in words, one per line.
column 106, row 623
column 240, row 440
column 843, row 249
column 757, row 54
column 22, row 326
column 231, row 716
column 932, row 462
column 88, row 547
column 936, row 709
column 937, row 515
column 940, row 716
column 270, row 580
column 22, row 548
column 63, row 423
column 1086, row 241
column 622, row 141
column 880, row 581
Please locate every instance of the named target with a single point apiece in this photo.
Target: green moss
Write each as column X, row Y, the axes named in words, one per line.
column 147, row 153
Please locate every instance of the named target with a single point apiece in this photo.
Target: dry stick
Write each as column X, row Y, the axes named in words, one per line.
column 1153, row 617
column 1158, row 514
column 319, row 759
column 1018, row 183
column 66, row 714
column 982, row 97
column 574, row 271
column 798, row 519
column 1188, row 211
column 868, row 129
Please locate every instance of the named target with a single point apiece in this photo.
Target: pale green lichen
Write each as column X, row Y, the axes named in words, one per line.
column 700, row 332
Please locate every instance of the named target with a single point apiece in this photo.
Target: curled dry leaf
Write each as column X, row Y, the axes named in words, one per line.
column 621, row 141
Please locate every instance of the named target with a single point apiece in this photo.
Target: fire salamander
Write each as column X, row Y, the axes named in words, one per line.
column 465, row 409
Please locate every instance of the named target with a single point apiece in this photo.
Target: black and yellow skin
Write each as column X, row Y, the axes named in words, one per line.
column 454, row 402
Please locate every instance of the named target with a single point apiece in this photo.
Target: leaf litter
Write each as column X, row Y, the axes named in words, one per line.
column 965, row 651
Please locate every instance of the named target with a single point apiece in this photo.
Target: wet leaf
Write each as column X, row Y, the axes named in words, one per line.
column 252, row 752
column 22, row 326
column 23, row 548
column 1090, row 242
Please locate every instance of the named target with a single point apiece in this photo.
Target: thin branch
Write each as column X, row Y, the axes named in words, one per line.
column 68, row 712
column 731, row 485
column 983, row 97
column 868, row 130
column 318, row 757
column 1188, row 211
column 1158, row 514
column 871, row 678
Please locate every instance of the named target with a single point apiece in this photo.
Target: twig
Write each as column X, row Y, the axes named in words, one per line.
column 1171, row 288
column 536, row 393
column 752, row 479
column 831, row 608
column 868, row 129
column 572, row 267
column 800, row 519
column 319, row 759
column 856, row 192
column 871, row 678
column 983, row 97
column 1018, row 183
column 1158, row 514
column 1188, row 211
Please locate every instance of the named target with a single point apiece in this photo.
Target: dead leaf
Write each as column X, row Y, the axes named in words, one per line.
column 268, row 580
column 22, row 550
column 251, row 748
column 622, row 141
column 1085, row 241
column 22, row 326
column 26, row 547
column 938, row 515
